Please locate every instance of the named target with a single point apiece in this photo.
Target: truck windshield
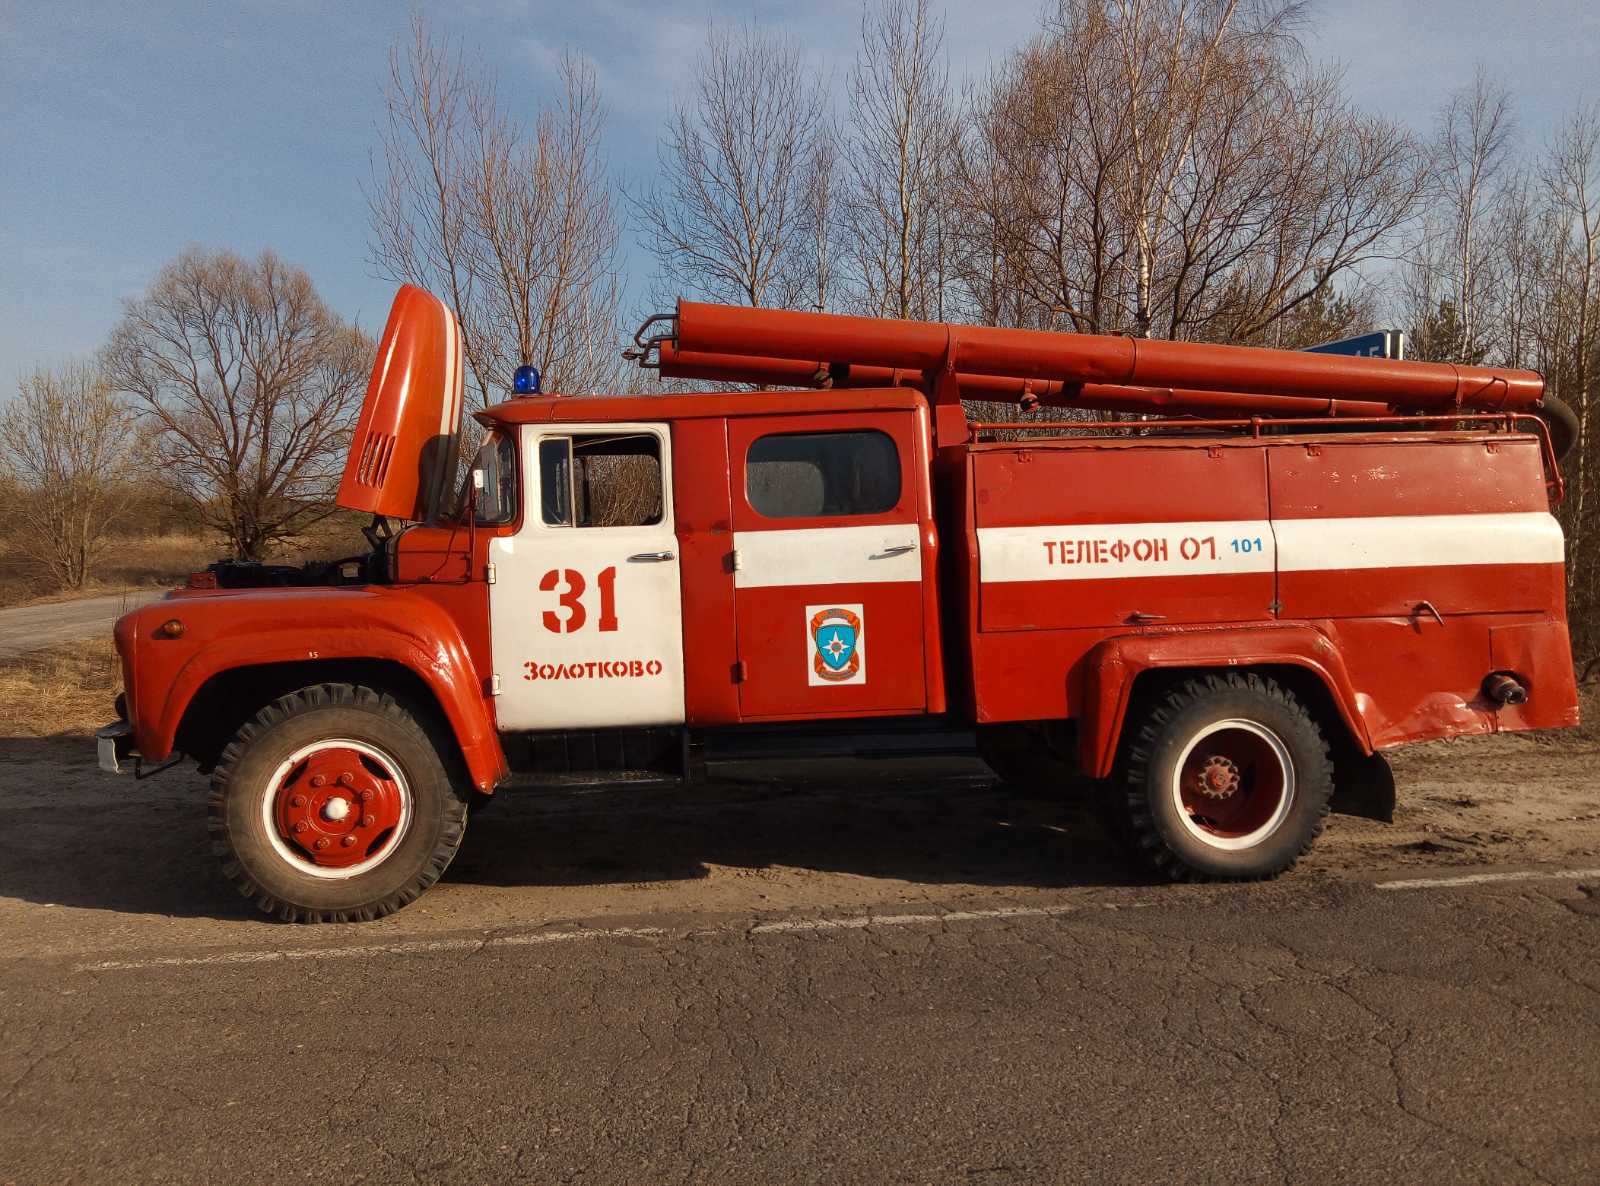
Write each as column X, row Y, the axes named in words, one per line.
column 497, row 497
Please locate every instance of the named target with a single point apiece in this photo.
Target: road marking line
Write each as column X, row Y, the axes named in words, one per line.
column 785, row 926
column 855, row 922
column 432, row 946
column 1485, row 878
column 416, row 947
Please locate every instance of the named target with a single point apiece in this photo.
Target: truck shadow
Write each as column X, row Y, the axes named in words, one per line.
column 73, row 837
column 939, row 823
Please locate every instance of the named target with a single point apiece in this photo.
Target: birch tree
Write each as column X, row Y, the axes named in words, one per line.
column 1475, row 130
column 822, row 217
column 900, row 148
column 1452, row 274
column 1570, row 173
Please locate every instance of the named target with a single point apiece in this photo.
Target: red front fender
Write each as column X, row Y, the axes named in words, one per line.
column 225, row 631
column 1109, row 670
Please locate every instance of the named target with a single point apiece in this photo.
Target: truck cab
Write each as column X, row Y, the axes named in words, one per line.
column 702, row 560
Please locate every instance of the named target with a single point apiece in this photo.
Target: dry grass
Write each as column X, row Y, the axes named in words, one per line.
column 134, row 562
column 161, row 561
column 66, row 691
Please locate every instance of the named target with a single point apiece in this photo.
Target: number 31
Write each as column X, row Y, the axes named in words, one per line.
column 570, row 600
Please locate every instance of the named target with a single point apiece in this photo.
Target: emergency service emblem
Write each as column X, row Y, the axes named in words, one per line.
column 836, row 641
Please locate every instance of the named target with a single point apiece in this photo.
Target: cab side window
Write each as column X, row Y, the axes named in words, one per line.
column 805, row 475
column 600, row 480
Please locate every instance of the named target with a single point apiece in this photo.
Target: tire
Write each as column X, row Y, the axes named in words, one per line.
column 303, row 850
column 1224, row 778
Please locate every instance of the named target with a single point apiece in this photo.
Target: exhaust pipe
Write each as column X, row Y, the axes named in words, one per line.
column 1504, row 688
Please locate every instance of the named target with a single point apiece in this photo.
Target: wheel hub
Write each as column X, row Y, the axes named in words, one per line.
column 338, row 807
column 1219, row 777
column 1234, row 785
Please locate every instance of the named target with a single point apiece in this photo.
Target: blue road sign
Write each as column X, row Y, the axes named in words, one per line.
column 1380, row 343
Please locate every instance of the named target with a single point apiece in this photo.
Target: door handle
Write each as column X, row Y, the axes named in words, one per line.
column 1138, row 618
column 649, row 557
column 896, row 550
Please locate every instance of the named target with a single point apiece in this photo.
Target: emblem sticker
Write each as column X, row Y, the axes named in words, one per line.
column 836, row 642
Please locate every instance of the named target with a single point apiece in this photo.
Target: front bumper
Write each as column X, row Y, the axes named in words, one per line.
column 115, row 745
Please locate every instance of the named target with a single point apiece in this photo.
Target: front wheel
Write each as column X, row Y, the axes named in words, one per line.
column 333, row 804
column 1224, row 778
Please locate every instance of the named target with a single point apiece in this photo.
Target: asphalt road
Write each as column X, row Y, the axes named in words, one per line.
column 576, row 1003
column 35, row 627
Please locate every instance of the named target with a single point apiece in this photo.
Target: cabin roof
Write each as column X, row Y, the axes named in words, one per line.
column 546, row 409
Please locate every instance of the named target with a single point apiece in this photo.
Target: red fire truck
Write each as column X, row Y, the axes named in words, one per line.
column 1214, row 621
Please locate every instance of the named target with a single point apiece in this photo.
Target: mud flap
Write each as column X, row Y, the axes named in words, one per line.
column 114, row 747
column 1363, row 786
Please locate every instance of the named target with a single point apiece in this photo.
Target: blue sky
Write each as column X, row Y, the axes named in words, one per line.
column 129, row 130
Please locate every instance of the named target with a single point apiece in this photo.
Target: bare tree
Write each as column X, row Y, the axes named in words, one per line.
column 1175, row 169
column 513, row 224
column 1509, row 273
column 67, row 444
column 727, row 218
column 902, row 136
column 249, row 384
column 992, row 252
column 1516, row 238
column 822, row 215
column 1571, row 178
column 11, row 511
column 1452, row 272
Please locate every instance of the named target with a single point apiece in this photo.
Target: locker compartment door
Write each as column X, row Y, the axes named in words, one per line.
column 1122, row 535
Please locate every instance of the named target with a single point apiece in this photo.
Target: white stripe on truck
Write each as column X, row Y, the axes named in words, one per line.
column 827, row 556
column 1112, row 551
column 1418, row 541
column 1120, row 551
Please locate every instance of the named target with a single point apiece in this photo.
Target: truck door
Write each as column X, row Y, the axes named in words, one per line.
column 585, row 608
column 828, row 564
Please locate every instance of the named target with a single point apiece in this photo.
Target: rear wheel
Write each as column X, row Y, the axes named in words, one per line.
column 1225, row 777
column 333, row 804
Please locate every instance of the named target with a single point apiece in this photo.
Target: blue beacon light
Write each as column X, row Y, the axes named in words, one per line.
column 525, row 381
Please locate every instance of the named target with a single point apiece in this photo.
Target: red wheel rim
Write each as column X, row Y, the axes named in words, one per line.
column 1234, row 784
column 337, row 808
